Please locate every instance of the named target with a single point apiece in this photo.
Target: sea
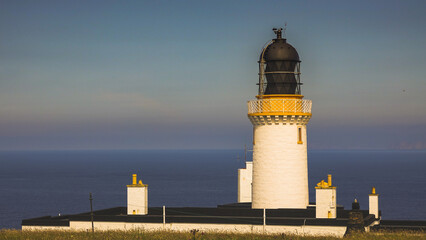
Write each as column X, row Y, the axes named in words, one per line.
column 40, row 183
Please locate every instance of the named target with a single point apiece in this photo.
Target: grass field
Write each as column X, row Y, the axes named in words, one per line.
column 50, row 235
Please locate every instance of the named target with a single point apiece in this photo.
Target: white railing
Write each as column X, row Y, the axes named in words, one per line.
column 279, row 106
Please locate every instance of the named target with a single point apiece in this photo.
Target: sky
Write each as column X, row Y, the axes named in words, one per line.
column 178, row 74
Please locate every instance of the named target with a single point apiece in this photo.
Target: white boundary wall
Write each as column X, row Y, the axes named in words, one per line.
column 46, row 228
column 337, row 231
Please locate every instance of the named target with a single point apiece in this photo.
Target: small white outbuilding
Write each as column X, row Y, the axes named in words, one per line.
column 245, row 183
column 373, row 204
column 137, row 197
column 325, row 199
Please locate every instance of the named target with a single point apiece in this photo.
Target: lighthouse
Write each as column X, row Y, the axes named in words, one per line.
column 276, row 181
column 279, row 115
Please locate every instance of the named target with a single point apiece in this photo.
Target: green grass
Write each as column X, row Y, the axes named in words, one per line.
column 164, row 235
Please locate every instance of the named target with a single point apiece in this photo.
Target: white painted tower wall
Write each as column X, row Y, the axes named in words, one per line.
column 280, row 159
column 137, row 198
column 280, row 167
column 245, row 182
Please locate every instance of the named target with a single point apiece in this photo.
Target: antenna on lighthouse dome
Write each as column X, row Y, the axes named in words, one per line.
column 285, row 28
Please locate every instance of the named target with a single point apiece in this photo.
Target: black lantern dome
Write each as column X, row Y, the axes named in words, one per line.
column 280, row 64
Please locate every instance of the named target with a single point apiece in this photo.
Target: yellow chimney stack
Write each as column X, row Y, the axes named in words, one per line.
column 329, row 180
column 134, row 182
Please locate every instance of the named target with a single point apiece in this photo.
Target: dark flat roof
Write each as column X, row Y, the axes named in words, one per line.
column 237, row 213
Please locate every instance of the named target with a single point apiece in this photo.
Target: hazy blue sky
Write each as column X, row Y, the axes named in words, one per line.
column 177, row 74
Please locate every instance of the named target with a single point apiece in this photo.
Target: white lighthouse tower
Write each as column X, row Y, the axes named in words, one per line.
column 279, row 115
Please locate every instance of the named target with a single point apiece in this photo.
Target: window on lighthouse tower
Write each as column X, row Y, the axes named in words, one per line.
column 299, row 135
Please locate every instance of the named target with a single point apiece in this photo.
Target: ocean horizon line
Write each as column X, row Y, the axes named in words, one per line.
column 207, row 149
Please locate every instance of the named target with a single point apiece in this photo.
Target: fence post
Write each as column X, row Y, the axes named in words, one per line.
column 164, row 217
column 91, row 212
column 264, row 219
